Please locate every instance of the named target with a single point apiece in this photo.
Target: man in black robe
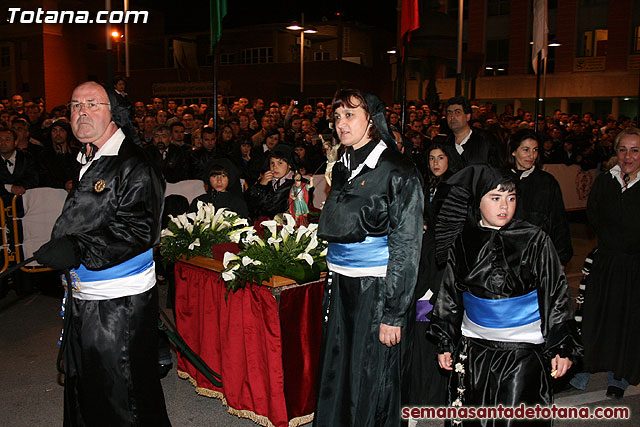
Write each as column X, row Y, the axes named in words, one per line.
column 106, row 233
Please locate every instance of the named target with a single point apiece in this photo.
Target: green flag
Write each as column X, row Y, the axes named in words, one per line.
column 217, row 11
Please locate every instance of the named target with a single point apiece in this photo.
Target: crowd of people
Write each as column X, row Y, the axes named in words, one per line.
column 388, row 188
column 183, row 140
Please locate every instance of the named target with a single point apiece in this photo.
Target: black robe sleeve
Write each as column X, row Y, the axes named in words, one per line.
column 556, row 311
column 448, row 310
column 406, row 203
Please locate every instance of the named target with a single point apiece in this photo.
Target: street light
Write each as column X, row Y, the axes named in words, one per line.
column 116, row 38
column 309, row 30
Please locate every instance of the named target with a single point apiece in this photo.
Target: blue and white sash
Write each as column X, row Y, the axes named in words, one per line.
column 367, row 258
column 511, row 319
column 131, row 277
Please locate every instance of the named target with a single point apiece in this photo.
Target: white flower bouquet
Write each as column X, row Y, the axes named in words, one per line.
column 284, row 250
column 193, row 234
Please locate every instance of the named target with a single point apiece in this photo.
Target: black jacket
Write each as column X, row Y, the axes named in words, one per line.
column 482, row 147
column 25, row 173
column 114, row 213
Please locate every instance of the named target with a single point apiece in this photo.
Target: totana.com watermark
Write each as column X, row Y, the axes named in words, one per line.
column 41, row 16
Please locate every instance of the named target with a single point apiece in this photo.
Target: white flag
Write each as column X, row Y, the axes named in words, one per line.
column 540, row 32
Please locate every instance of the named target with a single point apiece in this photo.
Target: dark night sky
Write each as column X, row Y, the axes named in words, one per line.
column 380, row 13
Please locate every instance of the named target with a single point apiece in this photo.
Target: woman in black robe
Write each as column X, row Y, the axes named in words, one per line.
column 539, row 195
column 424, row 383
column 372, row 220
column 503, row 313
column 612, row 294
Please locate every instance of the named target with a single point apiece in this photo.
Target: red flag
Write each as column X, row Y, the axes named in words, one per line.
column 409, row 20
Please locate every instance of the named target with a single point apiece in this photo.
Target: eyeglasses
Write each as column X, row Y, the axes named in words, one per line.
column 75, row 107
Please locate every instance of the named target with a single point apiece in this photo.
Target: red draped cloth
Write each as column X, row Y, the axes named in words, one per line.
column 265, row 351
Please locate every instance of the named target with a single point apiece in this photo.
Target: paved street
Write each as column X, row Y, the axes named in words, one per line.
column 31, row 393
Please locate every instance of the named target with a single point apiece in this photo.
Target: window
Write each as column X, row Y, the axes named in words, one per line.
column 497, row 57
column 636, row 40
column 322, row 56
column 594, row 43
column 226, row 58
column 4, row 89
column 5, row 56
column 259, row 55
column 498, row 7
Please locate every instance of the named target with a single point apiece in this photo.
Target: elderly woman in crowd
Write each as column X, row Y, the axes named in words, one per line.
column 610, row 310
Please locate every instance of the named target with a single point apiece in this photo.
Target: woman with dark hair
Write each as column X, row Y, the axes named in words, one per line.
column 225, row 142
column 223, row 188
column 424, row 383
column 372, row 220
column 539, row 198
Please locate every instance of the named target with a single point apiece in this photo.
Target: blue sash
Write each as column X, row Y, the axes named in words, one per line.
column 502, row 313
column 130, row 267
column 372, row 252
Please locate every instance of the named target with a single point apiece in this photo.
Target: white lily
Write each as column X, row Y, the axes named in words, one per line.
column 271, row 225
column 166, row 233
column 312, row 244
column 229, row 275
column 274, row 242
column 252, row 237
column 176, row 221
column 235, row 235
column 246, row 261
column 291, row 223
column 313, row 227
column 192, row 216
column 284, row 233
column 189, row 228
column 183, row 220
column 194, row 244
column 228, row 257
column 324, row 252
column 302, row 230
column 306, row 257
column 218, row 215
column 240, row 221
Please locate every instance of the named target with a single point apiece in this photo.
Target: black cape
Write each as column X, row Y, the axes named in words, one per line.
column 612, row 295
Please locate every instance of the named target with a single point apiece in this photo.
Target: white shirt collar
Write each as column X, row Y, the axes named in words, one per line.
column 493, row 227
column 616, row 173
column 109, row 148
column 371, row 161
column 460, row 147
column 526, row 173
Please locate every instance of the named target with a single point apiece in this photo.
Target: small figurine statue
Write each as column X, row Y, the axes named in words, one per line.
column 299, row 196
column 331, row 151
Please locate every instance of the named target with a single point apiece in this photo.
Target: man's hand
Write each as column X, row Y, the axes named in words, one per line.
column 68, row 186
column 390, row 335
column 59, row 254
column 560, row 366
column 445, row 361
column 18, row 190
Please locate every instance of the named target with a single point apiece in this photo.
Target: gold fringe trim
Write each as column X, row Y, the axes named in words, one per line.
column 258, row 419
column 301, row 420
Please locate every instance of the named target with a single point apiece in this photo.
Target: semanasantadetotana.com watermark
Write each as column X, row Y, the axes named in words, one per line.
column 40, row 16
